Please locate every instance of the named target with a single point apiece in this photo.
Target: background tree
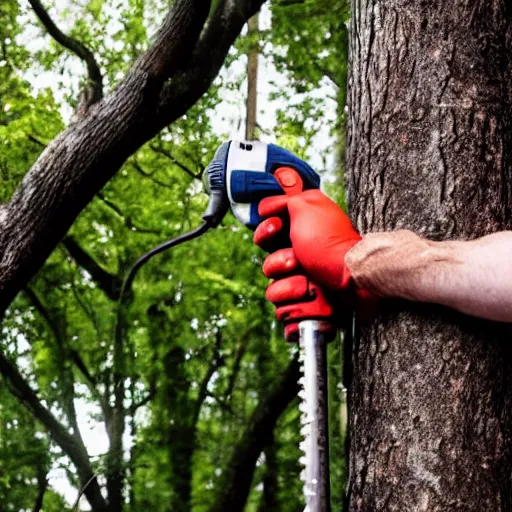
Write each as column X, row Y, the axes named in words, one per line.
column 174, row 414
column 429, row 150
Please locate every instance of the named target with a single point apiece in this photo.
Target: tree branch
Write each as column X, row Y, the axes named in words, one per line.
column 67, row 383
column 224, row 405
column 79, row 49
column 34, row 299
column 68, row 443
column 150, row 176
column 36, row 141
column 203, row 388
column 237, row 478
column 109, row 283
column 78, row 163
column 85, row 308
column 170, row 52
column 127, row 220
column 75, row 356
column 142, row 402
column 193, row 81
column 236, row 369
column 162, row 151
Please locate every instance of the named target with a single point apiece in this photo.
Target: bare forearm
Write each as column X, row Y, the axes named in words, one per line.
column 474, row 277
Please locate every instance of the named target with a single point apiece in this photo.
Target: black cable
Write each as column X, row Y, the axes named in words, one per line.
column 128, row 280
column 186, row 237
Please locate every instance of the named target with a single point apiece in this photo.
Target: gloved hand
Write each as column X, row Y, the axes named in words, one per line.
column 297, row 298
column 320, row 233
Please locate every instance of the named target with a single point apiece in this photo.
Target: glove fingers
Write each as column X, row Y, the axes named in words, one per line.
column 273, row 206
column 278, row 205
column 296, row 298
column 315, row 306
column 269, row 235
column 290, row 289
column 291, row 332
column 280, row 263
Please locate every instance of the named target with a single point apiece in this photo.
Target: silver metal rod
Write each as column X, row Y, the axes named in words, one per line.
column 313, row 349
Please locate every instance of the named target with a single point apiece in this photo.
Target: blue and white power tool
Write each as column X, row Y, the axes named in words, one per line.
column 242, row 173
column 239, row 177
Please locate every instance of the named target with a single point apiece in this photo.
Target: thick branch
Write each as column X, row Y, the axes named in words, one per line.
column 194, row 81
column 79, row 49
column 172, row 47
column 75, row 356
column 106, row 281
column 68, row 443
column 237, row 479
column 77, row 164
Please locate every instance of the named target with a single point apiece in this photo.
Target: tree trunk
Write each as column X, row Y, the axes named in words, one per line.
column 252, row 78
column 237, row 478
column 430, row 150
column 269, row 499
column 179, row 407
column 42, row 486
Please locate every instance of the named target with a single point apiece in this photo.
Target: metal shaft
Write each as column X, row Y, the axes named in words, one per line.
column 313, row 349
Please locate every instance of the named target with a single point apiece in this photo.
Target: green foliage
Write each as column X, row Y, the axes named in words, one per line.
column 201, row 346
column 308, row 42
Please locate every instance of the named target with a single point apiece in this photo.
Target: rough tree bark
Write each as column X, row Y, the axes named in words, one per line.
column 430, row 150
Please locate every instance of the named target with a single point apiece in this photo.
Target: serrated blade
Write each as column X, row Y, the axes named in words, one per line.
column 313, row 407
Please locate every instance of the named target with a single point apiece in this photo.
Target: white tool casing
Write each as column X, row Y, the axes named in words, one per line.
column 249, row 156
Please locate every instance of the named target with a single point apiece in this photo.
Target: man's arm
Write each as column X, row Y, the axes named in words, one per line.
column 473, row 277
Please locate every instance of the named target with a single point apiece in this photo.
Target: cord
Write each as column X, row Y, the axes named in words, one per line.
column 128, row 280
column 186, row 237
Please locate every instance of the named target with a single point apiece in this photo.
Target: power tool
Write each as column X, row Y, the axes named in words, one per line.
column 242, row 173
column 239, row 176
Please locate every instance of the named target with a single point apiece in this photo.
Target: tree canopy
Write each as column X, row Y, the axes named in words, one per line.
column 191, row 405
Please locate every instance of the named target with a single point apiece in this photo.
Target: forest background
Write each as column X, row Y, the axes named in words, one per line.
column 208, row 419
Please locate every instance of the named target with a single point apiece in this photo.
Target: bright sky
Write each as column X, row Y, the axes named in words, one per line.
column 270, row 80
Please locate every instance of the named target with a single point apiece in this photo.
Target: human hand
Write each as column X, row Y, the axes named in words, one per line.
column 320, row 233
column 297, row 298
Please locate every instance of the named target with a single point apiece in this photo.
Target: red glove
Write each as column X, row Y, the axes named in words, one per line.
column 320, row 233
column 296, row 297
